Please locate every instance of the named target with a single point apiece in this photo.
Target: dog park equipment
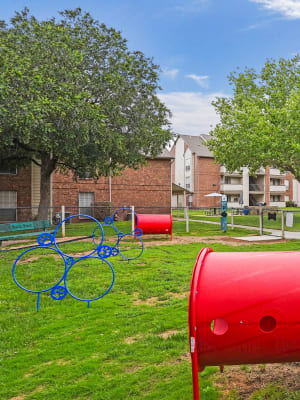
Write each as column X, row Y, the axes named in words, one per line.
column 153, row 224
column 224, row 213
column 244, row 309
column 223, row 208
column 137, row 232
column 60, row 289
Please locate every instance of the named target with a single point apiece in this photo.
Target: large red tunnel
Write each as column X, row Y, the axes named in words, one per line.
column 154, row 223
column 244, row 309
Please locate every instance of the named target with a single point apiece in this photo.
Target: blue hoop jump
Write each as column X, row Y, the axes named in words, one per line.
column 60, row 289
column 137, row 233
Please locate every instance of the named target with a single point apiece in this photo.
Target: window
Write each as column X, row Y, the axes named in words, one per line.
column 287, row 184
column 233, row 198
column 286, row 198
column 85, row 203
column 275, row 182
column 275, row 198
column 188, row 182
column 190, row 202
column 84, row 175
column 188, row 165
column 8, row 170
column 228, row 180
column 8, row 205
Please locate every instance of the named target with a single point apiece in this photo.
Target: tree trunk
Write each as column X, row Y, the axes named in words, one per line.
column 47, row 167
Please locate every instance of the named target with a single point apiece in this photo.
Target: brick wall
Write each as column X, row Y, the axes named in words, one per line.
column 289, row 192
column 206, row 180
column 21, row 183
column 148, row 186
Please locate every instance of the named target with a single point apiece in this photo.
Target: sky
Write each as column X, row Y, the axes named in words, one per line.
column 196, row 43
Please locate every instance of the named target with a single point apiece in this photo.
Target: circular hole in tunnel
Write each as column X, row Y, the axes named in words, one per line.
column 219, row 326
column 267, row 323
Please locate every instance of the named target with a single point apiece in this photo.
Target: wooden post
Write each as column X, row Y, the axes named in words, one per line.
column 63, row 228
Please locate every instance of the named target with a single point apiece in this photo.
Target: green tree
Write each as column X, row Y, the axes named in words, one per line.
column 73, row 97
column 260, row 124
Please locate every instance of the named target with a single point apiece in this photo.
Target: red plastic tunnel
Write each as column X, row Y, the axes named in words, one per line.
column 154, row 223
column 244, row 309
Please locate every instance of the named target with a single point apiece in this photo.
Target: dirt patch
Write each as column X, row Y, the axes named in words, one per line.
column 131, row 339
column 245, row 380
column 200, row 239
column 133, row 369
column 165, row 335
column 180, row 295
column 62, row 362
column 38, row 389
column 17, row 398
column 152, row 301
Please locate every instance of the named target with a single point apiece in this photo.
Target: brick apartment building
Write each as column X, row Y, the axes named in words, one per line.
column 148, row 186
column 195, row 170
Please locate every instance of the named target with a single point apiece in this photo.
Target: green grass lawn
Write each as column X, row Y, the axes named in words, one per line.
column 132, row 344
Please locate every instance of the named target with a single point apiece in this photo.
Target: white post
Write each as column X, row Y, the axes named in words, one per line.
column 132, row 219
column 186, row 209
column 63, row 231
column 232, row 226
column 282, row 224
column 261, row 216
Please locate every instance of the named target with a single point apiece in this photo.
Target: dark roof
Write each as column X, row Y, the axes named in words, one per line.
column 197, row 145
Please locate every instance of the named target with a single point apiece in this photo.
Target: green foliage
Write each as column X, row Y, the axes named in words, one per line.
column 72, row 96
column 259, row 125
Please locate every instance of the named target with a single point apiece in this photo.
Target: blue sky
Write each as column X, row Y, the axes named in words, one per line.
column 197, row 43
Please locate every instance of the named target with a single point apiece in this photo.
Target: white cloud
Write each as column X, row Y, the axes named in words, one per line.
column 192, row 112
column 170, row 73
column 200, row 80
column 289, row 8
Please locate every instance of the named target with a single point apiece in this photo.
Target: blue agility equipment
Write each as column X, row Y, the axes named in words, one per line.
column 137, row 233
column 60, row 289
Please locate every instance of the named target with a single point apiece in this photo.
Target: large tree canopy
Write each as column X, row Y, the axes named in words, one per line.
column 260, row 124
column 73, row 97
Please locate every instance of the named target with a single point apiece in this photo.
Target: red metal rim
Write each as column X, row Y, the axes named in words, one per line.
column 192, row 318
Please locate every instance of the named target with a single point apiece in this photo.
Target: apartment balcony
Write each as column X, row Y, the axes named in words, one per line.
column 228, row 188
column 235, row 204
column 277, row 189
column 256, row 188
column 223, row 171
column 274, row 172
column 279, row 204
column 260, row 171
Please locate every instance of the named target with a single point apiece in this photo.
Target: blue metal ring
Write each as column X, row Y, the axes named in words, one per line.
column 95, row 298
column 85, row 216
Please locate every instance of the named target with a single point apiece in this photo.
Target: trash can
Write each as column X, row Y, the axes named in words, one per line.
column 154, row 223
column 246, row 211
column 244, row 309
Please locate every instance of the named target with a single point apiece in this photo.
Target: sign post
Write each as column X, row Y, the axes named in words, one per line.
column 224, row 213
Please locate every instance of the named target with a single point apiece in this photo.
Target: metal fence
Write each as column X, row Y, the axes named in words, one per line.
column 283, row 223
